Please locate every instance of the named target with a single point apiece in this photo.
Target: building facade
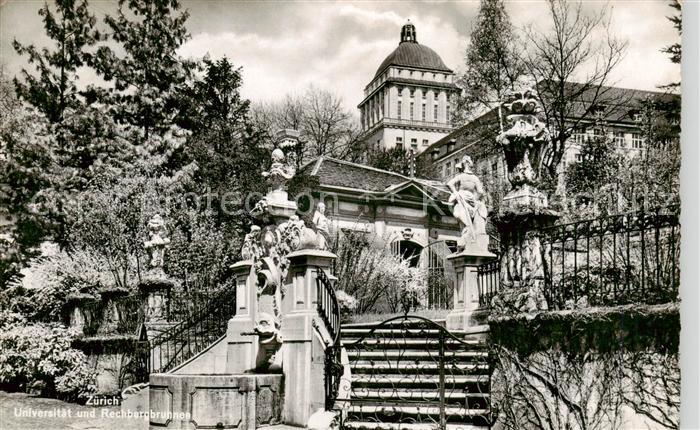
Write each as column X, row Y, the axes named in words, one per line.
column 620, row 120
column 407, row 102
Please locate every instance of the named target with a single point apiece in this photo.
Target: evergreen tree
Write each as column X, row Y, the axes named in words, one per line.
column 54, row 89
column 492, row 64
column 147, row 74
column 228, row 150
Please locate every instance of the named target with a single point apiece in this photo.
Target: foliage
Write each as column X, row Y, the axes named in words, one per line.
column 492, row 64
column 347, row 304
column 556, row 56
column 72, row 30
column 401, row 161
column 228, row 149
column 148, row 76
column 27, row 180
column 325, row 127
column 41, row 354
column 675, row 50
column 378, row 279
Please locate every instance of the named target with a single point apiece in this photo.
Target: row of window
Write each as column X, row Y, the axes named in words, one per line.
column 636, row 140
column 414, row 142
column 411, row 111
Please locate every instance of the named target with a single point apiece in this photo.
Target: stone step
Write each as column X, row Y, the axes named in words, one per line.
column 401, row 343
column 417, row 394
column 368, row 366
column 417, row 379
column 393, row 410
column 367, row 425
column 402, row 354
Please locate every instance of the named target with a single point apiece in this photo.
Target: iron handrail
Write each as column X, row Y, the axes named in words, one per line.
column 329, row 310
column 192, row 335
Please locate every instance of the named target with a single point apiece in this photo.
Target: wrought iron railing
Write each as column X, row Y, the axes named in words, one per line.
column 613, row 260
column 487, row 282
column 192, row 335
column 329, row 310
column 411, row 371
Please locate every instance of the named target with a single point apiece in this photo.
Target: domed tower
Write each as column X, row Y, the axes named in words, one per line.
column 407, row 102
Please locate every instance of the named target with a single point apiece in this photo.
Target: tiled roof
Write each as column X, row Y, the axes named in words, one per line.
column 338, row 173
column 413, row 54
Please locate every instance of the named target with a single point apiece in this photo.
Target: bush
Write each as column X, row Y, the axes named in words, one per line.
column 41, row 355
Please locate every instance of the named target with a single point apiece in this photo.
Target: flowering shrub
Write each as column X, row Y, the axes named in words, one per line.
column 347, row 303
column 41, row 355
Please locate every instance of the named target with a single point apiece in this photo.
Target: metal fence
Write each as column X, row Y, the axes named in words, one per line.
column 607, row 261
column 193, row 334
column 613, row 260
column 487, row 282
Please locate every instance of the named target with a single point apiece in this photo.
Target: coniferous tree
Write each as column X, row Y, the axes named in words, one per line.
column 148, row 76
column 54, row 88
column 493, row 66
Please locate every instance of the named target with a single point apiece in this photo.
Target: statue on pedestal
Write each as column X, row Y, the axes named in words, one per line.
column 468, row 198
column 157, row 241
column 322, row 225
column 155, row 283
column 524, row 210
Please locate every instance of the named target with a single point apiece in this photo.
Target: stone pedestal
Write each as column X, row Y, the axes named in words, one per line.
column 155, row 288
column 466, row 291
column 241, row 402
column 111, row 314
column 78, row 312
column 303, row 348
column 242, row 347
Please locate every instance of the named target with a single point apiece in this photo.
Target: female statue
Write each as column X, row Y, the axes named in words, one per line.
column 468, row 200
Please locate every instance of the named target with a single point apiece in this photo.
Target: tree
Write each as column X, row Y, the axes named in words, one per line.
column 149, row 77
column 325, row 127
column 71, row 28
column 571, row 70
column 26, row 165
column 493, row 66
column 594, row 178
column 675, row 50
column 227, row 147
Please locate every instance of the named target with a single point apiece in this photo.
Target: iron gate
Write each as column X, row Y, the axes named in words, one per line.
column 411, row 370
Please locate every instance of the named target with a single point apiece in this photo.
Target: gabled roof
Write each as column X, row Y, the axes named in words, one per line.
column 334, row 173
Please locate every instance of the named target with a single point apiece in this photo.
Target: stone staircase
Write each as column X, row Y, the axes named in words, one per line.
column 396, row 377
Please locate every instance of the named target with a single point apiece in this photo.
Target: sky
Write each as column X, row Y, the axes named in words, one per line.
column 285, row 46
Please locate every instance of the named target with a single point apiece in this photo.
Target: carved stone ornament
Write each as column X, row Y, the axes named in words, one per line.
column 523, row 144
column 157, row 241
column 524, row 210
column 281, row 171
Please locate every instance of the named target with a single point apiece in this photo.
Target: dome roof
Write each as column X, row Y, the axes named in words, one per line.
column 410, row 53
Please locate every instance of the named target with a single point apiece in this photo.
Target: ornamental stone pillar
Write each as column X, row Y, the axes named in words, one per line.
column 466, row 287
column 242, row 347
column 304, row 335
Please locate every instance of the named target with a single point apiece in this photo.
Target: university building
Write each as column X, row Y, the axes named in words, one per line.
column 407, row 102
column 619, row 118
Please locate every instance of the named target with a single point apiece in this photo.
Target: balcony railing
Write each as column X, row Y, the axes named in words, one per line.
column 407, row 123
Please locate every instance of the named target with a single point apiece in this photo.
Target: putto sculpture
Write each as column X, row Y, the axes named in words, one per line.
column 468, row 198
column 157, row 241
